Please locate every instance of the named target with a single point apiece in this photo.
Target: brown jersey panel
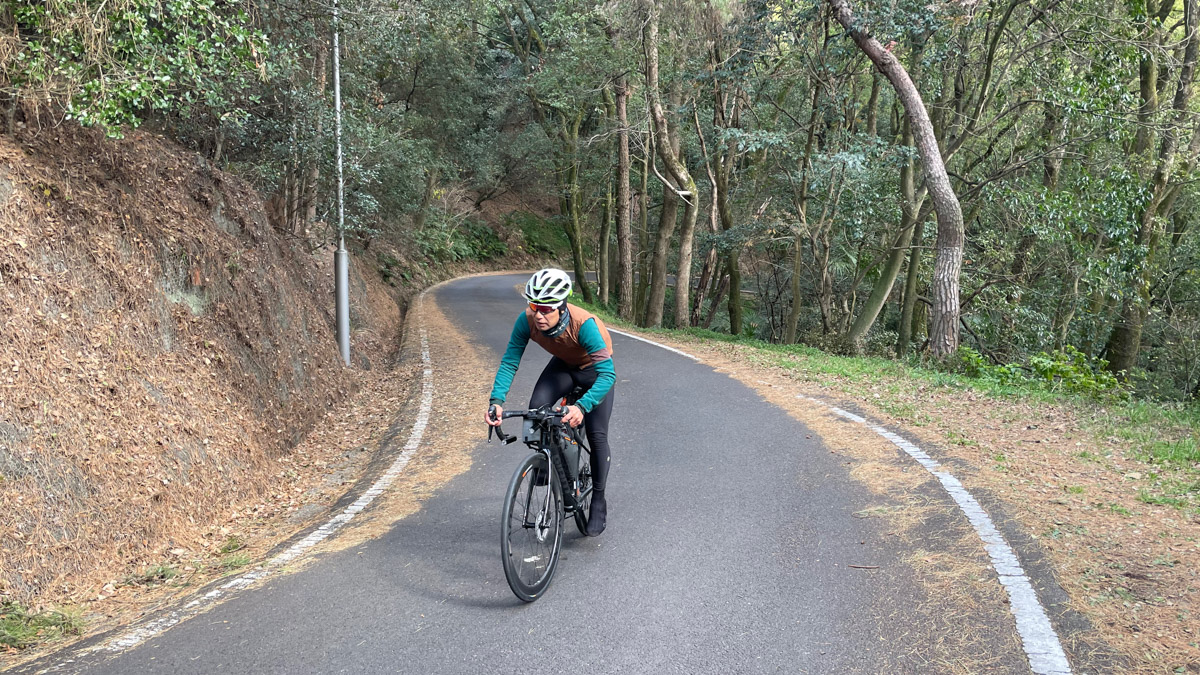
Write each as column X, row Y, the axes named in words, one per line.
column 566, row 346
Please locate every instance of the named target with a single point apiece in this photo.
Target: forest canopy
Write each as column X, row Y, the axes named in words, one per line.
column 753, row 167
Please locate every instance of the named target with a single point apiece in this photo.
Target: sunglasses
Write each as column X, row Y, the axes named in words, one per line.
column 542, row 309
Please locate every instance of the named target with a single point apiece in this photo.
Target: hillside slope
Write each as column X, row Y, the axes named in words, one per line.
column 161, row 349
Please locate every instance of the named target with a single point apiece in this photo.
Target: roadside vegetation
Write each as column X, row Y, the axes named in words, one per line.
column 21, row 627
column 1163, row 434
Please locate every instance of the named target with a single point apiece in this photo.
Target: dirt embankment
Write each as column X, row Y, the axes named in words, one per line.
column 161, row 351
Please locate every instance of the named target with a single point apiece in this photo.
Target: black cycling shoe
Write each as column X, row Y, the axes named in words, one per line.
column 597, row 515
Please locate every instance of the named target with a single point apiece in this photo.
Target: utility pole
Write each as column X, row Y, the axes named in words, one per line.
column 341, row 258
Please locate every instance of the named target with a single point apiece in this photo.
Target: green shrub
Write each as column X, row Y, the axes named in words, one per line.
column 448, row 239
column 1066, row 371
column 968, row 362
column 115, row 63
column 542, row 236
column 1071, row 370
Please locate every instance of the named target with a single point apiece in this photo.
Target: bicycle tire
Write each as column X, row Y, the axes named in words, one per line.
column 584, row 510
column 530, row 547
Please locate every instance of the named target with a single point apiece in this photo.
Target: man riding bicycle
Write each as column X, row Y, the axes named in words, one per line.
column 581, row 351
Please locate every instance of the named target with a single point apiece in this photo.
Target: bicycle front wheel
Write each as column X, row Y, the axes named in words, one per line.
column 531, row 528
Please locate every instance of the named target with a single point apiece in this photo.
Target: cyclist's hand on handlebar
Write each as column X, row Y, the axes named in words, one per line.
column 493, row 415
column 574, row 416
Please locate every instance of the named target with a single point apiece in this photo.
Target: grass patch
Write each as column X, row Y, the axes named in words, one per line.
column 1121, row 510
column 959, row 438
column 1146, row 497
column 233, row 543
column 1181, row 494
column 1063, row 530
column 235, row 562
column 1168, row 434
column 21, row 628
column 153, row 575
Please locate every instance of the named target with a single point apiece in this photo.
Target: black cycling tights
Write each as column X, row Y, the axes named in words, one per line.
column 555, row 382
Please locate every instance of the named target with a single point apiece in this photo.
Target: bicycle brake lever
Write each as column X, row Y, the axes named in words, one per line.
column 500, row 435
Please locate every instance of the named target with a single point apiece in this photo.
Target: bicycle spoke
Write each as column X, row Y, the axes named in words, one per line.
column 532, row 525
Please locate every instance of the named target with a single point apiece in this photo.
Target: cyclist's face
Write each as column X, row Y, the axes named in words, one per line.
column 546, row 321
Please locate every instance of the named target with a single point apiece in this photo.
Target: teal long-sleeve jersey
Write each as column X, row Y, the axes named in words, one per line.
column 589, row 338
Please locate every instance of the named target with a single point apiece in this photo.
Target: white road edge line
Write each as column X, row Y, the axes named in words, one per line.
column 158, row 626
column 1038, row 639
column 656, row 344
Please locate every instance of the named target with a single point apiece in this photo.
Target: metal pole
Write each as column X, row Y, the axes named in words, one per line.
column 341, row 258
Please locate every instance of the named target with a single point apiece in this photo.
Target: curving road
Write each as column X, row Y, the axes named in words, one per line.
column 728, row 551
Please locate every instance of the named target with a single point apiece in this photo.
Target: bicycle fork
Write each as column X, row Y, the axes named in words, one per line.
column 541, row 525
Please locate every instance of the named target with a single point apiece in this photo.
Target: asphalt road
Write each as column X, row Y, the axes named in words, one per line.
column 728, row 550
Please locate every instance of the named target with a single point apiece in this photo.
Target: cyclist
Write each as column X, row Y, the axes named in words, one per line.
column 581, row 355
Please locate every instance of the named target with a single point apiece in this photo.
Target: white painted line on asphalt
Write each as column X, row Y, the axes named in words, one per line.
column 656, row 344
column 1038, row 639
column 158, row 626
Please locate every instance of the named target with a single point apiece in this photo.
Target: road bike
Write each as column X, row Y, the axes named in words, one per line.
column 553, row 482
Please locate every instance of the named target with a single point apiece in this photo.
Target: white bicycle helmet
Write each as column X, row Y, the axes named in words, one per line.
column 548, row 286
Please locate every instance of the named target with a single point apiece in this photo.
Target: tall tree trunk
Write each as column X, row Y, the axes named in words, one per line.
column 733, row 270
column 667, row 222
column 818, row 241
column 624, row 235
column 732, row 258
column 1068, row 299
column 1125, row 340
column 683, row 275
column 710, row 258
column 726, row 115
column 602, row 270
column 604, row 248
column 574, row 226
column 314, row 167
column 718, row 294
column 873, row 107
column 912, row 278
column 801, row 206
column 678, row 178
column 943, row 334
column 909, row 209
column 644, row 248
column 426, row 198
column 571, row 207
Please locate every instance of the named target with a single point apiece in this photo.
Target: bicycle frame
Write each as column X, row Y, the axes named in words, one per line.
column 547, row 422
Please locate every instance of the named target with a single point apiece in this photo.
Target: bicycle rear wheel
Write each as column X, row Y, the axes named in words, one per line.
column 584, row 509
column 531, row 528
